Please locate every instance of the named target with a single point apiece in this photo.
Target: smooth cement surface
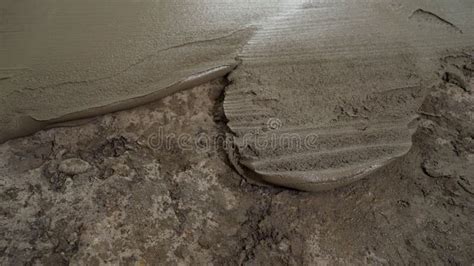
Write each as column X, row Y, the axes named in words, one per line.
column 59, row 59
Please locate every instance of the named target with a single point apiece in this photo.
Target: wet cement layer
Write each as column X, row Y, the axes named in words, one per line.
column 328, row 93
column 75, row 59
column 69, row 57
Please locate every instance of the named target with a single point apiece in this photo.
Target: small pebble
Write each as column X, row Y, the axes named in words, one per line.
column 74, row 166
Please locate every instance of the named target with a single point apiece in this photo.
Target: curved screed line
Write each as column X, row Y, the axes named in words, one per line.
column 26, row 125
column 427, row 16
column 353, row 92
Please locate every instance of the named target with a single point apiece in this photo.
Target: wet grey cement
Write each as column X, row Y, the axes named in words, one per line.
column 58, row 61
column 328, row 93
column 316, row 67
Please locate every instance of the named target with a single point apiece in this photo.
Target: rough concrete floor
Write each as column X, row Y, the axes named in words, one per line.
column 123, row 189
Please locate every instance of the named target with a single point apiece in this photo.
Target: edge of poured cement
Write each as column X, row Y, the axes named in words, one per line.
column 27, row 125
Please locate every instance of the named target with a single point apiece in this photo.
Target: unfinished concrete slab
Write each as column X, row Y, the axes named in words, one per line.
column 327, row 93
column 343, row 78
column 66, row 60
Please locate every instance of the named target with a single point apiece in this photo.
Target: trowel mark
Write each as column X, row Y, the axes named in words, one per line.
column 423, row 15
